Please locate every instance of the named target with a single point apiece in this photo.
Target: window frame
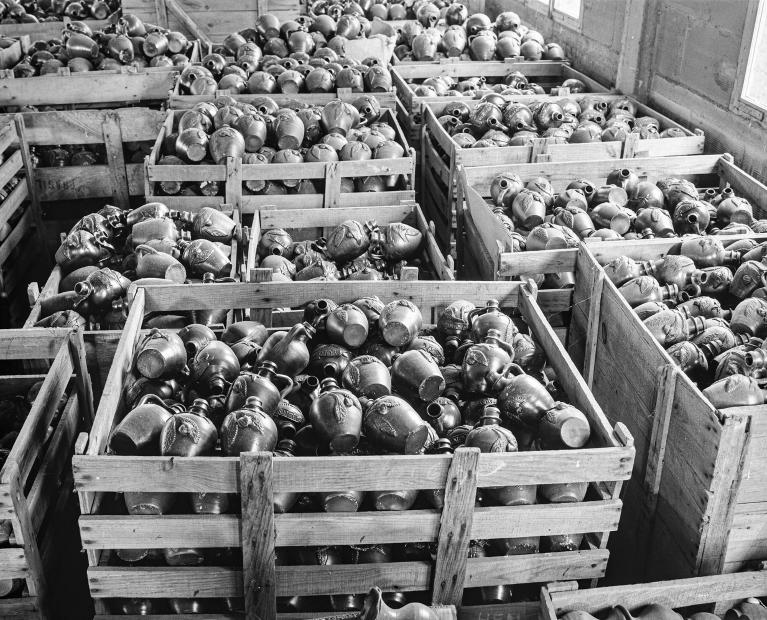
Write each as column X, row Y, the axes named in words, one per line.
column 566, row 18
column 738, row 104
column 547, row 8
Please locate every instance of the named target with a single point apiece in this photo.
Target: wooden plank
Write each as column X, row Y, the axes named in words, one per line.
column 522, row 610
column 42, row 495
column 455, row 528
column 112, row 394
column 82, row 182
column 352, row 578
column 29, row 443
column 720, row 512
column 323, row 218
column 536, row 568
column 37, row 582
column 10, row 205
column 560, row 174
column 676, row 593
column 303, row 474
column 113, row 143
column 567, row 375
column 23, row 226
column 13, row 564
column 164, row 582
column 10, row 167
column 320, row 529
column 85, row 126
column 93, row 87
column 747, row 541
column 258, row 535
column 426, row 295
column 184, row 102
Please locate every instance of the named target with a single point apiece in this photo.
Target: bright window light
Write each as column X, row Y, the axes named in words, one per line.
column 571, row 8
column 755, row 82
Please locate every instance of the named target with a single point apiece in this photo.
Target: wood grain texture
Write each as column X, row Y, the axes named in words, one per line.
column 164, row 582
column 85, row 126
column 429, row 296
column 561, row 173
column 676, row 593
column 304, row 474
column 322, row 529
column 536, row 567
column 258, row 535
column 455, row 528
column 30, row 441
column 95, row 87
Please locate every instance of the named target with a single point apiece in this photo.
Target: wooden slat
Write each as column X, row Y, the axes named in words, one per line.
column 10, row 167
column 112, row 394
column 18, row 195
column 80, row 182
column 304, row 474
column 567, row 375
column 676, row 593
column 95, row 87
column 309, row 529
column 13, row 564
column 23, row 226
column 85, row 126
column 536, row 567
column 258, row 535
column 455, row 528
column 426, row 295
column 42, row 495
column 561, row 173
column 352, row 578
column 320, row 218
column 29, row 444
column 164, row 582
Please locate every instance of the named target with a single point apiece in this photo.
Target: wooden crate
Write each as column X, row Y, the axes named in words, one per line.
column 697, row 501
column 116, row 180
column 547, row 73
column 716, row 594
column 606, row 463
column 35, row 481
column 179, row 101
column 235, row 172
column 314, row 223
column 484, row 245
column 20, row 211
column 103, row 88
column 100, row 344
column 216, row 19
column 441, row 156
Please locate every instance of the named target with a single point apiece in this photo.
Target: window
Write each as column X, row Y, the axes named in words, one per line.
column 571, row 8
column 755, row 79
column 749, row 95
column 567, row 11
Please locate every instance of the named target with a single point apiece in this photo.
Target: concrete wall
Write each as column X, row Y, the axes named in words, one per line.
column 594, row 47
column 689, row 62
column 692, row 75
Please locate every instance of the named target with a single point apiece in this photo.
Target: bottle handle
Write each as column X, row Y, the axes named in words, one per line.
column 289, row 385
